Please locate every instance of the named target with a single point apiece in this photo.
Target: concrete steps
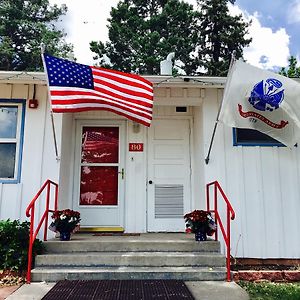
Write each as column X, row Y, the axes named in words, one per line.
column 138, row 259
column 125, row 273
column 150, row 256
column 104, row 244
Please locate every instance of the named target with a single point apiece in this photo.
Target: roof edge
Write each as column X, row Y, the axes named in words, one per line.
column 157, row 80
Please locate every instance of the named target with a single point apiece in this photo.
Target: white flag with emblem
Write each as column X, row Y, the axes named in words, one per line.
column 262, row 100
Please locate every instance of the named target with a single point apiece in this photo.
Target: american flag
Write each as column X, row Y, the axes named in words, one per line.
column 93, row 141
column 76, row 87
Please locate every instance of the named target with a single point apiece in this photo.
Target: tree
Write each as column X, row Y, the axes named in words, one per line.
column 143, row 32
column 24, row 25
column 292, row 70
column 221, row 34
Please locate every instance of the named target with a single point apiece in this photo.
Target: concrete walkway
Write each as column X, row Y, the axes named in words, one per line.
column 201, row 290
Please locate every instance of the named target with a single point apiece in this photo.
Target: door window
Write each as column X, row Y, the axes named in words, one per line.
column 99, row 166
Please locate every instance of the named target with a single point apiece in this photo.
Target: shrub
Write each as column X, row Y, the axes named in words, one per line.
column 14, row 242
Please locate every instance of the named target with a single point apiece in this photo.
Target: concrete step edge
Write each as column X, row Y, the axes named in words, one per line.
column 135, row 254
column 179, row 273
column 129, row 269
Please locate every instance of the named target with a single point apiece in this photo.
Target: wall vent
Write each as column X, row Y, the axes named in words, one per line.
column 168, row 201
column 181, row 109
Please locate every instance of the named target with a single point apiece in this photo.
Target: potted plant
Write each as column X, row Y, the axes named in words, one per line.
column 65, row 222
column 201, row 223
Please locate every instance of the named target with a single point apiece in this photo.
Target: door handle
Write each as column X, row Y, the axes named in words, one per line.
column 150, row 181
column 122, row 173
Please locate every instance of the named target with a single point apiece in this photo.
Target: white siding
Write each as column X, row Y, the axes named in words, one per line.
column 262, row 184
column 38, row 161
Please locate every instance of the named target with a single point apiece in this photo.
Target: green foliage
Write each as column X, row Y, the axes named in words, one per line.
column 14, row 241
column 292, row 70
column 24, row 25
column 272, row 291
column 221, row 34
column 143, row 32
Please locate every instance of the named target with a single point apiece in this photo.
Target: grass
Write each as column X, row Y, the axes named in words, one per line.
column 271, row 290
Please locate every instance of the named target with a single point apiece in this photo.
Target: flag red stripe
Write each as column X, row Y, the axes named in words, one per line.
column 103, row 94
column 122, row 80
column 136, row 119
column 119, row 89
column 102, row 101
column 131, row 110
column 134, row 76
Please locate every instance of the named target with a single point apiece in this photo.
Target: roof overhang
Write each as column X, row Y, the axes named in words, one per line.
column 157, row 80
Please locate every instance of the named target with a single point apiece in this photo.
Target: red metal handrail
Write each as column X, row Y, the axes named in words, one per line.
column 30, row 213
column 230, row 215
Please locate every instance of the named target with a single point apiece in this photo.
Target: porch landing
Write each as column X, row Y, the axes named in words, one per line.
column 148, row 256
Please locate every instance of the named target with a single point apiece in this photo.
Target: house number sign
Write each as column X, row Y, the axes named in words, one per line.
column 136, row 147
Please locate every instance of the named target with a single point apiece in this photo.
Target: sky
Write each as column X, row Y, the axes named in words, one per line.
column 274, row 28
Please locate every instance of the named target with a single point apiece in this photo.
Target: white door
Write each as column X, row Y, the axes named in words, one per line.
column 168, row 175
column 99, row 181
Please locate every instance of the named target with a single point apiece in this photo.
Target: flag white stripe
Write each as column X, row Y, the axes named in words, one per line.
column 88, row 105
column 135, row 80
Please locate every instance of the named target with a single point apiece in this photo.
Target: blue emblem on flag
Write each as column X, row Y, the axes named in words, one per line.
column 267, row 95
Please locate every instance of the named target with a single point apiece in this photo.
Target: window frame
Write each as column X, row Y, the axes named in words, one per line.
column 252, row 143
column 21, row 104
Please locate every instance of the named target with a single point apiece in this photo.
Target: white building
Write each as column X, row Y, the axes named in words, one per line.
column 152, row 176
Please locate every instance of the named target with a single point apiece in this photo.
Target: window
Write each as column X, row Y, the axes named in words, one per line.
column 251, row 137
column 12, row 114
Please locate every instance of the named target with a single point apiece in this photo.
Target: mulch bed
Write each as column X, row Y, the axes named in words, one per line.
column 119, row 290
column 10, row 278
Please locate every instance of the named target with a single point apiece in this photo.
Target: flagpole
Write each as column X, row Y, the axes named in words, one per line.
column 49, row 98
column 217, row 119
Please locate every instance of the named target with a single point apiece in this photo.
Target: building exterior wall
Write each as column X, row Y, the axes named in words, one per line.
column 262, row 183
column 38, row 157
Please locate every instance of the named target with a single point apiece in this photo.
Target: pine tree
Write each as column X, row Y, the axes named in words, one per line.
column 24, row 25
column 143, row 32
column 221, row 34
column 292, row 70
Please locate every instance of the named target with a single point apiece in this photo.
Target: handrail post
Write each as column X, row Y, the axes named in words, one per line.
column 28, row 279
column 216, row 207
column 56, row 198
column 228, row 246
column 207, row 198
column 47, row 211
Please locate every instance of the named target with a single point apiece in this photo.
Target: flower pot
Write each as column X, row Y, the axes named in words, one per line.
column 65, row 236
column 200, row 236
